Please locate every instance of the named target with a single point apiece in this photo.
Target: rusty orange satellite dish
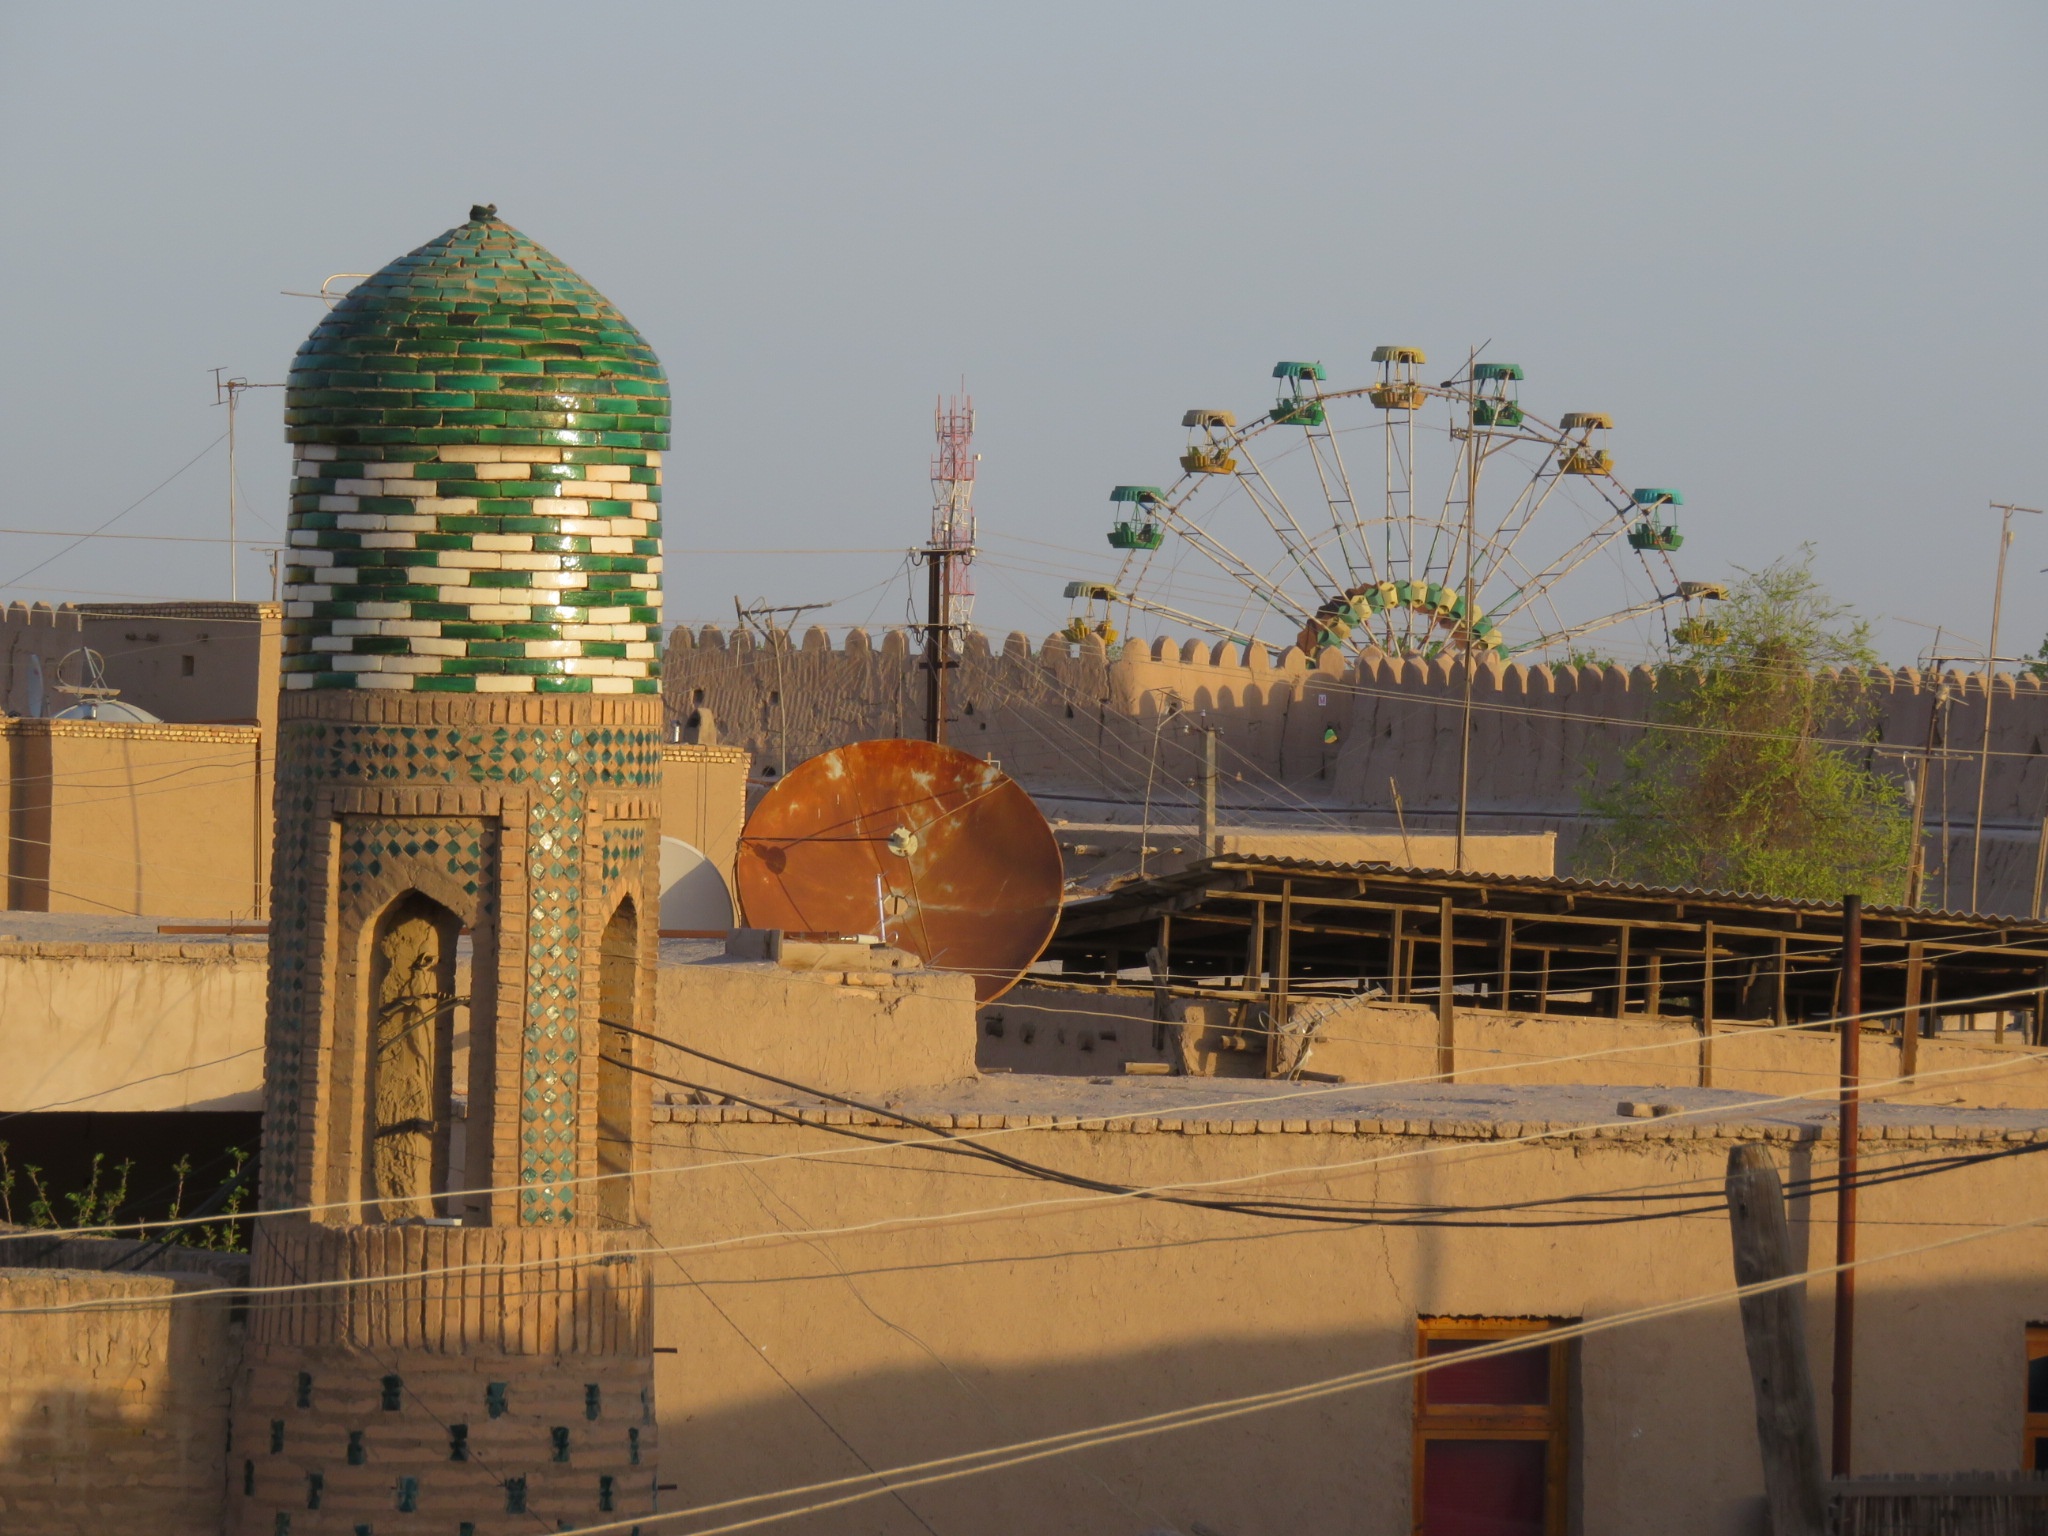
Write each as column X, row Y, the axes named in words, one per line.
column 934, row 850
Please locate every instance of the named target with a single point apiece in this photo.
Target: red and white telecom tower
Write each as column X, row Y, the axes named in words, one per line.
column 953, row 502
column 950, row 552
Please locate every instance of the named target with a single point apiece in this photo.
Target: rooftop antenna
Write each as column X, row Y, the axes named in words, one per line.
column 226, row 392
column 327, row 294
column 761, row 617
column 92, row 689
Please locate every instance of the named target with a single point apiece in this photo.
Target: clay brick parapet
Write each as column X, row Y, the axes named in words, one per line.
column 1702, row 1127
column 1070, row 720
column 27, row 1248
column 246, row 736
column 239, row 952
column 518, row 1290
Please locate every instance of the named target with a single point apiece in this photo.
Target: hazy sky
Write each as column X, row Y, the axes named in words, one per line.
column 1797, row 250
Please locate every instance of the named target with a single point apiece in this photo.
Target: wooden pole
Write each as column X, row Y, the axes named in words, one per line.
column 1507, row 963
column 1845, row 1184
column 1162, row 979
column 1395, row 990
column 2040, row 865
column 1281, row 967
column 1707, row 1006
column 1621, row 975
column 1909, row 1021
column 1774, row 1334
column 1784, row 981
column 1446, row 1014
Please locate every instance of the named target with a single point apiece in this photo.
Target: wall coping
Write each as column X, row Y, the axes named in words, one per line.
column 123, row 730
column 1431, row 1129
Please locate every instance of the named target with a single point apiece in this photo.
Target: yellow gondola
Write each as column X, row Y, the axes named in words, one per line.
column 1582, row 458
column 1398, row 389
column 1211, row 436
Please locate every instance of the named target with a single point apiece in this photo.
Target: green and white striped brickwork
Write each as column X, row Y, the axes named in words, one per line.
column 476, row 505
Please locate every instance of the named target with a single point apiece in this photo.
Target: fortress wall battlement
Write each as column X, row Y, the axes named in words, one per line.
column 1332, row 737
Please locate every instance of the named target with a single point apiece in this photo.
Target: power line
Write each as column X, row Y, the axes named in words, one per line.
column 1184, row 1110
column 1014, row 1209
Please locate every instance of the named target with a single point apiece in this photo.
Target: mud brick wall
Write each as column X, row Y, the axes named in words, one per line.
column 114, row 1419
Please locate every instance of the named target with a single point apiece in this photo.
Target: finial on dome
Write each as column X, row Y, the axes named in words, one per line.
column 478, row 212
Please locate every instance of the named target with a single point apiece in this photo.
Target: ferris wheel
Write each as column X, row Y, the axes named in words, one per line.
column 1399, row 515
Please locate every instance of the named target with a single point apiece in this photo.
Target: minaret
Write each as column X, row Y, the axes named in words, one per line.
column 468, row 780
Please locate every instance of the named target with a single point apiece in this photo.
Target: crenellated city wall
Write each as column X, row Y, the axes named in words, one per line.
column 1327, row 742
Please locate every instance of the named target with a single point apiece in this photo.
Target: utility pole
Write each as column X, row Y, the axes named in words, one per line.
column 226, row 392
column 2005, row 511
column 1937, row 711
column 1472, row 461
column 1851, row 1120
column 777, row 641
column 949, row 590
column 938, row 634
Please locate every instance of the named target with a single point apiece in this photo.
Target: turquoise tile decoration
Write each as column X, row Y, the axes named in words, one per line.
column 471, row 425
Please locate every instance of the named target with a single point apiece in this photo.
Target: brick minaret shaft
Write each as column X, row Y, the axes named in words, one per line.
column 466, row 885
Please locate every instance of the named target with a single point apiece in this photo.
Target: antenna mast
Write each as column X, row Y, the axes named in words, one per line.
column 226, row 392
column 950, row 594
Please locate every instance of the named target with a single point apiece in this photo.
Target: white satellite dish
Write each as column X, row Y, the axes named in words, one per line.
column 693, row 893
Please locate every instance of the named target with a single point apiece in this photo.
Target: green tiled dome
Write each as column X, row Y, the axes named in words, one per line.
column 480, row 336
column 476, row 505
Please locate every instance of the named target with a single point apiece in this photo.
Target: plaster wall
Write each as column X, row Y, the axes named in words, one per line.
column 1389, row 1043
column 132, row 1026
column 893, row 1335
column 851, row 1031
column 171, row 820
column 113, row 1420
column 704, row 800
column 1048, row 1030
column 1073, row 724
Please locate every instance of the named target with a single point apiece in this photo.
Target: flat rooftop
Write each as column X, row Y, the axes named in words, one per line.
column 48, row 928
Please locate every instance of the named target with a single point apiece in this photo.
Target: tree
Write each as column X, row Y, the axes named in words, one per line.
column 1753, row 776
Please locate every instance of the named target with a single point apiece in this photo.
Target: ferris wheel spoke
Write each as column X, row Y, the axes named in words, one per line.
column 1549, row 483
column 1254, row 482
column 1543, row 580
column 1342, row 502
column 1232, row 564
column 1231, row 632
column 1571, row 632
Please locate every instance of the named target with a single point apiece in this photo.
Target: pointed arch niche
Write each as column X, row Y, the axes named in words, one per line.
column 618, row 1053
column 411, row 1127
